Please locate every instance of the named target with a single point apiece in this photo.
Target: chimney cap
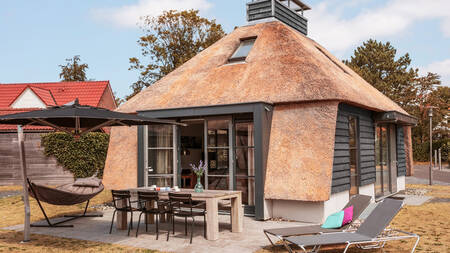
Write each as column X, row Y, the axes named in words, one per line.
column 301, row 6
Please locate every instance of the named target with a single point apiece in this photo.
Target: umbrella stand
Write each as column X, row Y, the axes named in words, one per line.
column 26, row 200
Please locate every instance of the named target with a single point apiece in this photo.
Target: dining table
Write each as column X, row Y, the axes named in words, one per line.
column 212, row 199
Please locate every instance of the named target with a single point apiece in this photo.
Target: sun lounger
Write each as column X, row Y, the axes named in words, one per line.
column 359, row 203
column 371, row 231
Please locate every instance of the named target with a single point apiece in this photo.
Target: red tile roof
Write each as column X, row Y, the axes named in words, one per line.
column 57, row 93
column 88, row 93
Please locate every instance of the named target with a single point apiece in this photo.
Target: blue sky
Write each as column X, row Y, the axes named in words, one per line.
column 37, row 36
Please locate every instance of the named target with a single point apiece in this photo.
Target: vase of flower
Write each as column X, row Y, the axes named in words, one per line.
column 199, row 170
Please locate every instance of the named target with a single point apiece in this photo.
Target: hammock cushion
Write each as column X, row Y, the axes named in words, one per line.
column 67, row 194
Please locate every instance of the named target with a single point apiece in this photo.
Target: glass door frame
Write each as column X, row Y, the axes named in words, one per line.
column 230, row 149
column 175, row 152
column 391, row 159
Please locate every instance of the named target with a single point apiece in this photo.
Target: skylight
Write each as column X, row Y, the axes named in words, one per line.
column 243, row 50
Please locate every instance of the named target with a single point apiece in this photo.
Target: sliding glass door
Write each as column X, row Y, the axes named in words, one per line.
column 386, row 160
column 218, row 154
column 245, row 162
column 160, row 156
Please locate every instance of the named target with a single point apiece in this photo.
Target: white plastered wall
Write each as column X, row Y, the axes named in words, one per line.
column 368, row 190
column 28, row 99
column 401, row 181
column 336, row 202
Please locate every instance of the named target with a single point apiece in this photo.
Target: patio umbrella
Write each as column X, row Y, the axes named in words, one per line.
column 74, row 119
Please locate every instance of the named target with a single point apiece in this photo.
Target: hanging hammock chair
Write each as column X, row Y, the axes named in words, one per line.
column 67, row 194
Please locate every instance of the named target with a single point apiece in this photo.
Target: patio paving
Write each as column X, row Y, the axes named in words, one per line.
column 97, row 229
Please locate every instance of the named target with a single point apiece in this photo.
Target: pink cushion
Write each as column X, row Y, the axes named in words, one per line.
column 348, row 215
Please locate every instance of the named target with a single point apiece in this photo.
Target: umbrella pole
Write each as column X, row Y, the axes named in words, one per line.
column 26, row 201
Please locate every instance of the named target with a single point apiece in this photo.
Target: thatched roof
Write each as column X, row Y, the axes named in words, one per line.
column 283, row 66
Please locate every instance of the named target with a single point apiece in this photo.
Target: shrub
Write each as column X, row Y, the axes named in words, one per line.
column 83, row 157
column 421, row 151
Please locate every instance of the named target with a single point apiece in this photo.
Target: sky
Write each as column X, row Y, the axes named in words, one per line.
column 37, row 36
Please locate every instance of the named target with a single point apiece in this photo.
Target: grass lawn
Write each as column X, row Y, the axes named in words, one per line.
column 11, row 210
column 431, row 221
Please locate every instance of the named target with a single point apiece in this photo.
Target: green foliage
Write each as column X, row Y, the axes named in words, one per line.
column 83, row 157
column 380, row 66
column 421, row 151
column 73, row 71
column 170, row 40
column 376, row 62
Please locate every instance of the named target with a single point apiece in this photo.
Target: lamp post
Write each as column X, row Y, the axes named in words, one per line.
column 430, row 115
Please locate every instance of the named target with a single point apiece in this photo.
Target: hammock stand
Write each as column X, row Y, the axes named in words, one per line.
column 67, row 194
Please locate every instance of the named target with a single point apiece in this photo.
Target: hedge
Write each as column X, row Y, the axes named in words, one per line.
column 421, row 151
column 83, row 157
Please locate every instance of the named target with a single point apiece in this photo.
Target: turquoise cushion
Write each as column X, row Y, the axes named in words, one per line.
column 334, row 220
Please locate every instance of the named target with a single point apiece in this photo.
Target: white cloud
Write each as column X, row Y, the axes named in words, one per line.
column 329, row 26
column 128, row 15
column 442, row 68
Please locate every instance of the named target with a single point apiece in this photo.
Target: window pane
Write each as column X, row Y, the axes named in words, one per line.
column 379, row 173
column 160, row 161
column 245, row 162
column 218, row 162
column 218, row 133
column 247, row 186
column 385, row 159
column 160, row 136
column 243, row 49
column 352, row 131
column 244, row 134
column 160, row 181
column 218, row 183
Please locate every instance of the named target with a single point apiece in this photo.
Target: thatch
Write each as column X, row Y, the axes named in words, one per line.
column 283, row 66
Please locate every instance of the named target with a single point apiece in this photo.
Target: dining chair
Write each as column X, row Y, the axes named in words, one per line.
column 149, row 203
column 122, row 203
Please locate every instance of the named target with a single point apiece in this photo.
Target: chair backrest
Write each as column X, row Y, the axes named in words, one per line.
column 119, row 195
column 145, row 197
column 359, row 203
column 380, row 217
column 179, row 200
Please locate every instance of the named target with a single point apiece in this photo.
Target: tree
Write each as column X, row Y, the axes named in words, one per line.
column 376, row 62
column 73, row 71
column 170, row 40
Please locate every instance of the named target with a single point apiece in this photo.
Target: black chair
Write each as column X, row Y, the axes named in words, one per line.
column 119, row 196
column 181, row 205
column 149, row 203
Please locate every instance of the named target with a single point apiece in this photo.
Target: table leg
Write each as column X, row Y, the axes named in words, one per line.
column 121, row 216
column 150, row 217
column 212, row 219
column 237, row 214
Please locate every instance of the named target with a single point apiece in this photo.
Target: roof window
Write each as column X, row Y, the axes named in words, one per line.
column 243, row 50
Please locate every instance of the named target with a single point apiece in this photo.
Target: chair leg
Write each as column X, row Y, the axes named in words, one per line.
column 185, row 225
column 173, row 224
column 192, row 228
column 204, row 225
column 112, row 221
column 130, row 226
column 157, row 225
column 139, row 222
column 168, row 230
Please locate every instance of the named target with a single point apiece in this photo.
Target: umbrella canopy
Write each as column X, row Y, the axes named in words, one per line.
column 80, row 118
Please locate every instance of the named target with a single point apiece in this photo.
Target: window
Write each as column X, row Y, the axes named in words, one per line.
column 160, row 155
column 243, row 50
column 354, row 154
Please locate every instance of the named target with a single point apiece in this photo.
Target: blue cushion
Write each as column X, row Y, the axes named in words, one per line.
column 334, row 220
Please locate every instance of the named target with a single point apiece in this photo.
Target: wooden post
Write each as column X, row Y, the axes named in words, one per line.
column 435, row 158
column 26, row 200
column 440, row 159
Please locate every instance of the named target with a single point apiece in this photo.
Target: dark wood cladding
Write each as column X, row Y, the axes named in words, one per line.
column 41, row 169
column 366, row 142
column 401, row 154
column 272, row 8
